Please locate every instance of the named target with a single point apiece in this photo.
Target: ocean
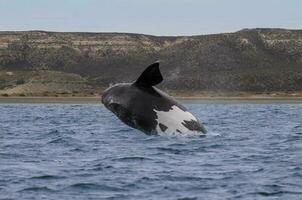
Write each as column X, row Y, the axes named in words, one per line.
column 253, row 150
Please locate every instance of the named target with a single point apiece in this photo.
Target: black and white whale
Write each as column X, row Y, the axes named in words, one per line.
column 144, row 107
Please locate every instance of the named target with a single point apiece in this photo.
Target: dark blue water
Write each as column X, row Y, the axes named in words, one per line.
column 53, row 151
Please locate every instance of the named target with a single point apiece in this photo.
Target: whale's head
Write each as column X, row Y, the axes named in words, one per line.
column 118, row 96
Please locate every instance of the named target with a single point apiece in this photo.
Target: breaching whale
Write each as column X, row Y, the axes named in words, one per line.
column 148, row 109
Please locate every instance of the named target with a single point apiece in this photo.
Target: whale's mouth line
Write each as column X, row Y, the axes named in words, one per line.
column 113, row 107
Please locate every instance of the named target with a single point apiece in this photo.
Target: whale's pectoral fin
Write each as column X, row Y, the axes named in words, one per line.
column 150, row 77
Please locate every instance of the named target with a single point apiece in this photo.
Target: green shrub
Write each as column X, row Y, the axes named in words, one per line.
column 20, row 82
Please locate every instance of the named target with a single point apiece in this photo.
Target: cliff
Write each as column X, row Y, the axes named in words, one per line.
column 250, row 60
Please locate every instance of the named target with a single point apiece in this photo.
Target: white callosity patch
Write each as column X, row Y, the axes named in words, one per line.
column 173, row 120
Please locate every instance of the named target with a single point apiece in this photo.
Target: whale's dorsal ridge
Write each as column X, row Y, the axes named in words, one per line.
column 151, row 76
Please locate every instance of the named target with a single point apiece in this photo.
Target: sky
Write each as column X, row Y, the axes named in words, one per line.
column 155, row 17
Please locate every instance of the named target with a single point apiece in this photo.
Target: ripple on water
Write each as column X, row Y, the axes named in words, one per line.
column 47, row 177
column 131, row 158
column 37, row 189
column 93, row 186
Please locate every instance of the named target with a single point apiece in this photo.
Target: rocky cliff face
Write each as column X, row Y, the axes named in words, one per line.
column 255, row 60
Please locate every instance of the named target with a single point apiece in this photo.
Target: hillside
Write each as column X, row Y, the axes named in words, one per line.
column 247, row 61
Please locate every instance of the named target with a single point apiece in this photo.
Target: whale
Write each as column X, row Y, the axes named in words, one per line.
column 142, row 106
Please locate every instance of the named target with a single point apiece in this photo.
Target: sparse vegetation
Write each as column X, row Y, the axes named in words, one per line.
column 20, row 82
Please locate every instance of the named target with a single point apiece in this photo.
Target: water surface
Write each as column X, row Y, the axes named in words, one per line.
column 65, row 151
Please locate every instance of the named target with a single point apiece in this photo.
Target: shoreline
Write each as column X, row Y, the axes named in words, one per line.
column 97, row 99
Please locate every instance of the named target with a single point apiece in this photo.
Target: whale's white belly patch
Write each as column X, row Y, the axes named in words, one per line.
column 173, row 120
